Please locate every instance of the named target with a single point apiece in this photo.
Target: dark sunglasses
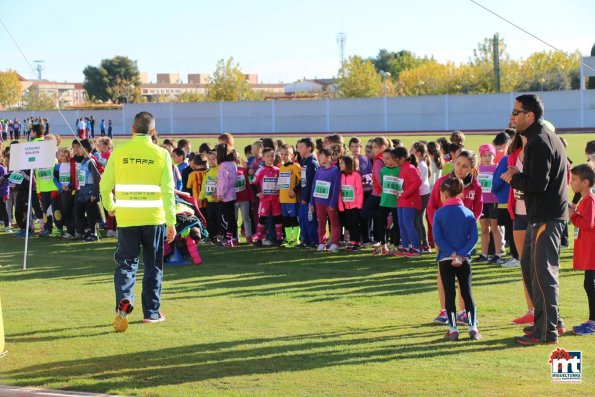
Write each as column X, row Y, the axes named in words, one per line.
column 515, row 112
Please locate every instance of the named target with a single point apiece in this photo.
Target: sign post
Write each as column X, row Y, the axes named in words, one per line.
column 29, row 156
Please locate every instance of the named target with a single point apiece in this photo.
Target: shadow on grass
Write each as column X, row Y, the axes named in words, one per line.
column 210, row 361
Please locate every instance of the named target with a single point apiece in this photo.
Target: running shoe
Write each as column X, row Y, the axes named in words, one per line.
column 528, row 340
column 474, row 335
column 123, row 310
column 481, row 259
column 7, row 230
column 526, row 318
column 413, row 252
column 511, row 263
column 321, row 247
column 400, row 252
column 155, row 320
column 333, row 248
column 44, row 233
column 452, row 336
column 587, row 328
column 267, row 243
column 496, row 260
column 442, row 318
column 462, row 318
column 20, row 233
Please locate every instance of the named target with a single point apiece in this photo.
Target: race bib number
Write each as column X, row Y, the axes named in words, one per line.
column 284, row 180
column 392, row 185
column 304, row 176
column 45, row 174
column 82, row 178
column 269, row 185
column 64, row 179
column 518, row 195
column 210, row 187
column 485, row 180
column 322, row 189
column 240, row 184
column 16, row 178
column 348, row 193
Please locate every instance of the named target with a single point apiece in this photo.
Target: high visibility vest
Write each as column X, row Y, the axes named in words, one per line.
column 140, row 173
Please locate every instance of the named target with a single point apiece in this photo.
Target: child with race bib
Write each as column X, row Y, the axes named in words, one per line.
column 290, row 176
column 408, row 202
column 455, row 234
column 392, row 185
column 244, row 199
column 351, row 199
column 208, row 193
column 65, row 173
column 265, row 180
column 325, row 199
column 489, row 215
column 308, row 222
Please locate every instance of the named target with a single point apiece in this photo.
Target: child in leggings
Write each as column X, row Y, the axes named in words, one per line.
column 408, row 202
column 455, row 235
column 227, row 175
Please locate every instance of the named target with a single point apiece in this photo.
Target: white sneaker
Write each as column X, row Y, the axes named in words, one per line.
column 7, row 230
column 511, row 263
column 321, row 247
column 111, row 233
column 267, row 243
column 67, row 235
column 333, row 247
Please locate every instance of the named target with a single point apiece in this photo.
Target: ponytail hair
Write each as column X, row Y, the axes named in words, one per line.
column 422, row 149
column 402, row 153
column 436, row 154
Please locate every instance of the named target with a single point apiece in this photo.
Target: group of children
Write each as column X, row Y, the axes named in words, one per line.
column 330, row 195
column 65, row 198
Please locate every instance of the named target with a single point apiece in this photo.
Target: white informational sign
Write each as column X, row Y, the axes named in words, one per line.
column 29, row 155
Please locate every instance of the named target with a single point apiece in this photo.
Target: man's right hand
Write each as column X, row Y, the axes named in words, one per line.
column 170, row 234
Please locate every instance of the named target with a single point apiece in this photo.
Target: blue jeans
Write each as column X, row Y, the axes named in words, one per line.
column 130, row 240
column 406, row 225
column 308, row 229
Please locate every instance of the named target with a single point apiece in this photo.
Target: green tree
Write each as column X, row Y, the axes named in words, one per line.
column 191, row 97
column 228, row 83
column 116, row 79
column 39, row 100
column 550, row 71
column 396, row 62
column 358, row 78
column 10, row 88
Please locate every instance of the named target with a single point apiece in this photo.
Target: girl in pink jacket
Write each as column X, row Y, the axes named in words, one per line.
column 408, row 201
column 351, row 199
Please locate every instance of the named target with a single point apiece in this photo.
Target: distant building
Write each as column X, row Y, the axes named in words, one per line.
column 67, row 94
column 322, row 87
column 169, row 86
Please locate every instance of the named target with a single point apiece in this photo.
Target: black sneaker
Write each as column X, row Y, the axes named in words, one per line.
column 301, row 245
column 481, row 258
column 91, row 237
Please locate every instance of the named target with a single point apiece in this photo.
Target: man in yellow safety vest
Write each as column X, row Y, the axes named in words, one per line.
column 140, row 174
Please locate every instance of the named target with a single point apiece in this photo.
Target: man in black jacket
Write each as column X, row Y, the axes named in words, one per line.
column 543, row 180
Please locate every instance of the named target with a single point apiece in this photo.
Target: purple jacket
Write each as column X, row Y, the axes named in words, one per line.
column 4, row 184
column 326, row 187
column 227, row 174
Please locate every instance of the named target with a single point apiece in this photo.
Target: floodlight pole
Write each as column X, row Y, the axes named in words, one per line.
column 28, row 219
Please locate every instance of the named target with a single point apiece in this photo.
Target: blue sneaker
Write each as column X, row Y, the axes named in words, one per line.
column 584, row 329
column 442, row 318
column 20, row 233
column 44, row 233
column 462, row 318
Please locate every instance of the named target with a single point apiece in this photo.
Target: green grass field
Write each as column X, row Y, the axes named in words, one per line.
column 274, row 321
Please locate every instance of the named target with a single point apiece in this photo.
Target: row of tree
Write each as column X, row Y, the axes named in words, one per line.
column 402, row 73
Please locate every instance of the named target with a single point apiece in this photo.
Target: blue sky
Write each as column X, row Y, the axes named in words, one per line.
column 278, row 40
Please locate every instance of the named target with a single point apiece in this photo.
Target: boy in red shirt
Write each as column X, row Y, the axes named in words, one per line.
column 582, row 180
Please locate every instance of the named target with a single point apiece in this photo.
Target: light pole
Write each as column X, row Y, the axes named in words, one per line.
column 384, row 75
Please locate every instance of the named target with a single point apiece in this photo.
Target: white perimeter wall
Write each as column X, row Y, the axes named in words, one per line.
column 565, row 109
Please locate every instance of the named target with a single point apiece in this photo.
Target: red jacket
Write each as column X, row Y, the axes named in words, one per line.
column 410, row 197
column 376, row 166
column 472, row 198
column 584, row 245
column 355, row 180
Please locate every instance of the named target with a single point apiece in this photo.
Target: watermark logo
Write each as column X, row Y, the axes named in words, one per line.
column 567, row 366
